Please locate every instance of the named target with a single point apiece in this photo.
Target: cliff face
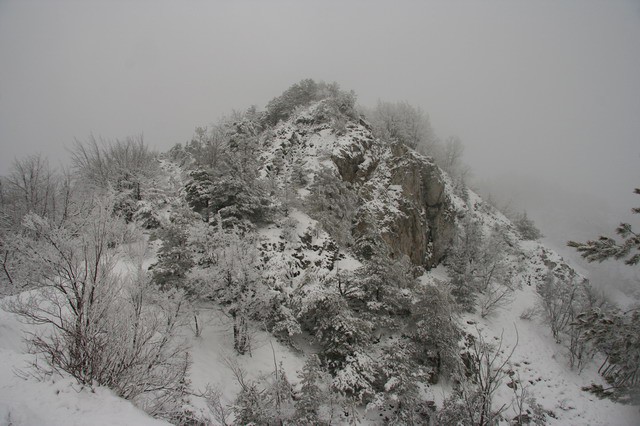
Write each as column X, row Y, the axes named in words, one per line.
column 427, row 208
column 404, row 193
column 403, row 196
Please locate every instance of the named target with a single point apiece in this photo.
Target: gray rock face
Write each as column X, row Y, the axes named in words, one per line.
column 426, row 229
column 403, row 196
column 422, row 224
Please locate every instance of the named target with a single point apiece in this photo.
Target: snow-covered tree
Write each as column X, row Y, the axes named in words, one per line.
column 381, row 289
column 613, row 332
column 333, row 203
column 355, row 379
column 127, row 166
column 198, row 192
column 399, row 385
column 436, row 334
column 175, row 258
column 404, row 123
column 335, row 327
column 605, row 248
column 527, row 227
column 32, row 186
column 232, row 189
column 312, row 399
column 616, row 334
column 473, row 399
column 461, row 261
column 558, row 300
column 100, row 327
column 481, row 273
column 231, row 276
column 208, row 145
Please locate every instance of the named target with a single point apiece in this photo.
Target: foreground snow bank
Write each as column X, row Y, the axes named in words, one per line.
column 26, row 401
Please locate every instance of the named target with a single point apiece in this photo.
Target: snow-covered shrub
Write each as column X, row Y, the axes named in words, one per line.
column 528, row 313
column 333, row 203
column 174, row 257
column 299, row 94
column 339, row 332
column 527, row 228
column 304, row 93
column 481, row 273
column 266, row 401
column 315, row 403
column 399, row 384
column 435, row 331
column 485, row 369
column 100, row 327
column 617, row 335
column 146, row 215
column 356, row 377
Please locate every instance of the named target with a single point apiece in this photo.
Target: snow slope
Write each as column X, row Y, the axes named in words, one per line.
column 54, row 401
column 538, row 363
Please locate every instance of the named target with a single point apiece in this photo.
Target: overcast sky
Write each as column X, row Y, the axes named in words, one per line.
column 546, row 90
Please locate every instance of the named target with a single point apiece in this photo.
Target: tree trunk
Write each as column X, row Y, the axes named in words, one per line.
column 4, row 266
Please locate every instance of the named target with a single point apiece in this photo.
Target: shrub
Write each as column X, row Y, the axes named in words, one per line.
column 102, row 328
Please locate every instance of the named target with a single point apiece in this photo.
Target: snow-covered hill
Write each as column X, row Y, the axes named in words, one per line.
column 354, row 240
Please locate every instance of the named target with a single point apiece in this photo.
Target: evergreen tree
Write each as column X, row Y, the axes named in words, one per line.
column 435, row 333
column 461, row 263
column 312, row 395
column 615, row 333
column 339, row 332
column 198, row 192
column 174, row 258
column 628, row 250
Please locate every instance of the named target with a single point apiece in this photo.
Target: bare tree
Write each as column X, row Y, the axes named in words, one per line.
column 480, row 269
column 99, row 327
column 486, row 368
column 123, row 165
column 404, row 123
column 31, row 186
column 449, row 157
column 557, row 299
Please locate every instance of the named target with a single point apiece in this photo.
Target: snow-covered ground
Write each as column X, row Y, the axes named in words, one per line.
column 27, row 401
column 53, row 401
column 540, row 364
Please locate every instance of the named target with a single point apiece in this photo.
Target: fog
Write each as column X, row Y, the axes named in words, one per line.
column 545, row 95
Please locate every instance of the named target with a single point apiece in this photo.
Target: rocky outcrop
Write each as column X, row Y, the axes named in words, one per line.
column 425, row 229
column 402, row 196
column 405, row 200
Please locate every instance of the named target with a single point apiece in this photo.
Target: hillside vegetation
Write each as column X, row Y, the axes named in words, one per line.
column 312, row 263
